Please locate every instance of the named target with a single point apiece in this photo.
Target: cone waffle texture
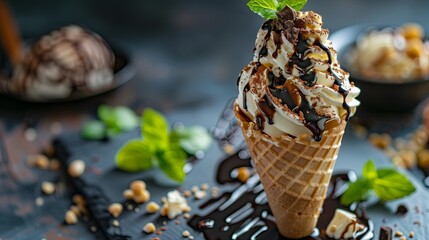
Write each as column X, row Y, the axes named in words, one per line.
column 295, row 173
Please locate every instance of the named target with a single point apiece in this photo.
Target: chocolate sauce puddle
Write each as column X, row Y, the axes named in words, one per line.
column 244, row 213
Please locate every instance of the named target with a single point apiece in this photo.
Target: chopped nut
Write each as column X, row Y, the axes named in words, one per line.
column 411, row 235
column 186, row 208
column 214, row 191
column 76, row 210
column 186, row 215
column 164, row 211
column 116, row 223
column 39, row 201
column 115, row 209
column 163, row 199
column 200, row 194
column 243, row 174
column 186, row 233
column 30, row 134
column 409, row 158
column 138, row 186
column 228, row 148
column 423, row 158
column 128, row 194
column 54, row 164
column 76, row 168
column 143, row 197
column 194, row 189
column 149, row 228
column 152, row 207
column 48, row 188
column 398, row 234
column 187, row 194
column 79, row 200
column 380, row 140
column 204, row 187
column 191, row 237
column 70, row 217
column 412, row 31
column 39, row 161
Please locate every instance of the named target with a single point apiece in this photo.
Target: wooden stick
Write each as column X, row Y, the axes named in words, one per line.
column 9, row 34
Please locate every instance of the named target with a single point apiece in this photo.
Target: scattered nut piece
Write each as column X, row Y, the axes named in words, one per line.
column 39, row 161
column 398, row 234
column 191, row 237
column 39, row 201
column 187, row 194
column 149, row 228
column 411, row 234
column 54, row 164
column 115, row 209
column 186, row 233
column 164, row 211
column 409, row 158
column 228, row 148
column 76, row 168
column 128, row 194
column 186, row 215
column 138, row 186
column 48, row 188
column 116, row 223
column 200, row 194
column 402, row 238
column 243, row 174
column 152, row 207
column 380, row 140
column 204, row 187
column 423, row 158
column 186, row 209
column 143, row 197
column 30, row 134
column 70, row 217
column 79, row 200
column 194, row 189
column 214, row 191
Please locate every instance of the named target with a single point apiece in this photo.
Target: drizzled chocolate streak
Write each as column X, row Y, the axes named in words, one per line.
column 244, row 213
column 288, row 25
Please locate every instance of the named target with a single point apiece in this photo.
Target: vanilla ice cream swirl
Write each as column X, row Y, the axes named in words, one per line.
column 295, row 85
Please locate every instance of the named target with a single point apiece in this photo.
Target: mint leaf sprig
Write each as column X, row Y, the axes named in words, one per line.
column 161, row 148
column 268, row 8
column 113, row 120
column 387, row 184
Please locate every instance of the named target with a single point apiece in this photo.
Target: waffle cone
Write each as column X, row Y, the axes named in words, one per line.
column 295, row 173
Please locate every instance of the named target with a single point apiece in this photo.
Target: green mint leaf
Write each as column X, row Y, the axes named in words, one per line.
column 369, row 170
column 295, row 4
column 171, row 162
column 93, row 130
column 391, row 185
column 135, row 155
column 191, row 139
column 357, row 191
column 265, row 8
column 118, row 118
column 126, row 118
column 155, row 128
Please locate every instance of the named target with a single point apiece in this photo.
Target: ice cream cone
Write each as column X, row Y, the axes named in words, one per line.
column 295, row 173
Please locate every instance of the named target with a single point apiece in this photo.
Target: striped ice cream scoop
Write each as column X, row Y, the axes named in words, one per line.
column 66, row 62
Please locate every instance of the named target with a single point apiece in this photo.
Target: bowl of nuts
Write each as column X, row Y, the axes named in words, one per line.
column 389, row 63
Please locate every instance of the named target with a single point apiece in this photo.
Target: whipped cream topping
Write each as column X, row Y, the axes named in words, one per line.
column 295, row 85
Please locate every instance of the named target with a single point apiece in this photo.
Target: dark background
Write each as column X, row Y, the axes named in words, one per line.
column 187, row 55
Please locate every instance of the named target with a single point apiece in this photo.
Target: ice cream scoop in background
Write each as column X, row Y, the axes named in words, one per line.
column 293, row 104
column 68, row 63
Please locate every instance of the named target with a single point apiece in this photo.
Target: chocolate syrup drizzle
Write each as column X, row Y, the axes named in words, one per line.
column 287, row 25
column 244, row 213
